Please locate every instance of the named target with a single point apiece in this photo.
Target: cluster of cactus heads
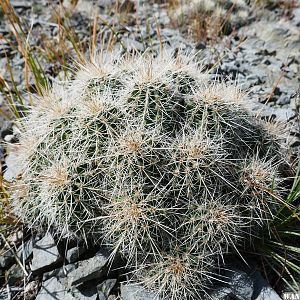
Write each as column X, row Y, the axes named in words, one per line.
column 151, row 157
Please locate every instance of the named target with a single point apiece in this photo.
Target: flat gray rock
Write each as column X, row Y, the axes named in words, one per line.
column 45, row 254
column 137, row 292
column 89, row 269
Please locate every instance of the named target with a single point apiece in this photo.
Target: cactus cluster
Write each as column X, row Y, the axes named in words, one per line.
column 151, row 157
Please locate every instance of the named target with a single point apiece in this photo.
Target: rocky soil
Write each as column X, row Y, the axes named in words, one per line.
column 262, row 54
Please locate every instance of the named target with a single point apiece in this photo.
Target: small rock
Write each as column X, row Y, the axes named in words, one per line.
column 284, row 114
column 167, row 32
column 294, row 142
column 283, row 100
column 74, row 253
column 14, row 274
column 6, row 258
column 20, row 4
column 7, row 129
column 132, row 44
column 45, row 254
column 13, row 168
column 9, row 138
column 262, row 290
column 268, row 97
column 88, row 292
column 251, row 80
column 127, row 6
column 25, row 250
column 296, row 16
column 137, row 292
column 281, row 114
column 200, row 46
column 30, row 290
column 220, row 293
column 61, row 272
column 53, row 289
column 240, row 283
column 105, row 288
column 15, row 237
column 89, row 269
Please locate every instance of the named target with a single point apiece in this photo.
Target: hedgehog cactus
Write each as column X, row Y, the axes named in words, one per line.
column 149, row 156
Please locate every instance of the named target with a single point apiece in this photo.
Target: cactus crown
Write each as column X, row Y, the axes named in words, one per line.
column 154, row 159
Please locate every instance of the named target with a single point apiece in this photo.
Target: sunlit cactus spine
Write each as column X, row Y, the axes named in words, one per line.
column 149, row 156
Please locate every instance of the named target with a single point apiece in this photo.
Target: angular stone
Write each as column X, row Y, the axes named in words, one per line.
column 61, row 272
column 262, row 290
column 45, row 254
column 132, row 44
column 31, row 289
column 88, row 292
column 283, row 114
column 13, row 168
column 14, row 274
column 137, row 292
column 296, row 16
column 53, row 289
column 220, row 293
column 6, row 129
column 25, row 250
column 15, row 237
column 240, row 283
column 74, row 253
column 237, row 284
column 6, row 258
column 283, row 100
column 89, row 269
column 105, row 288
